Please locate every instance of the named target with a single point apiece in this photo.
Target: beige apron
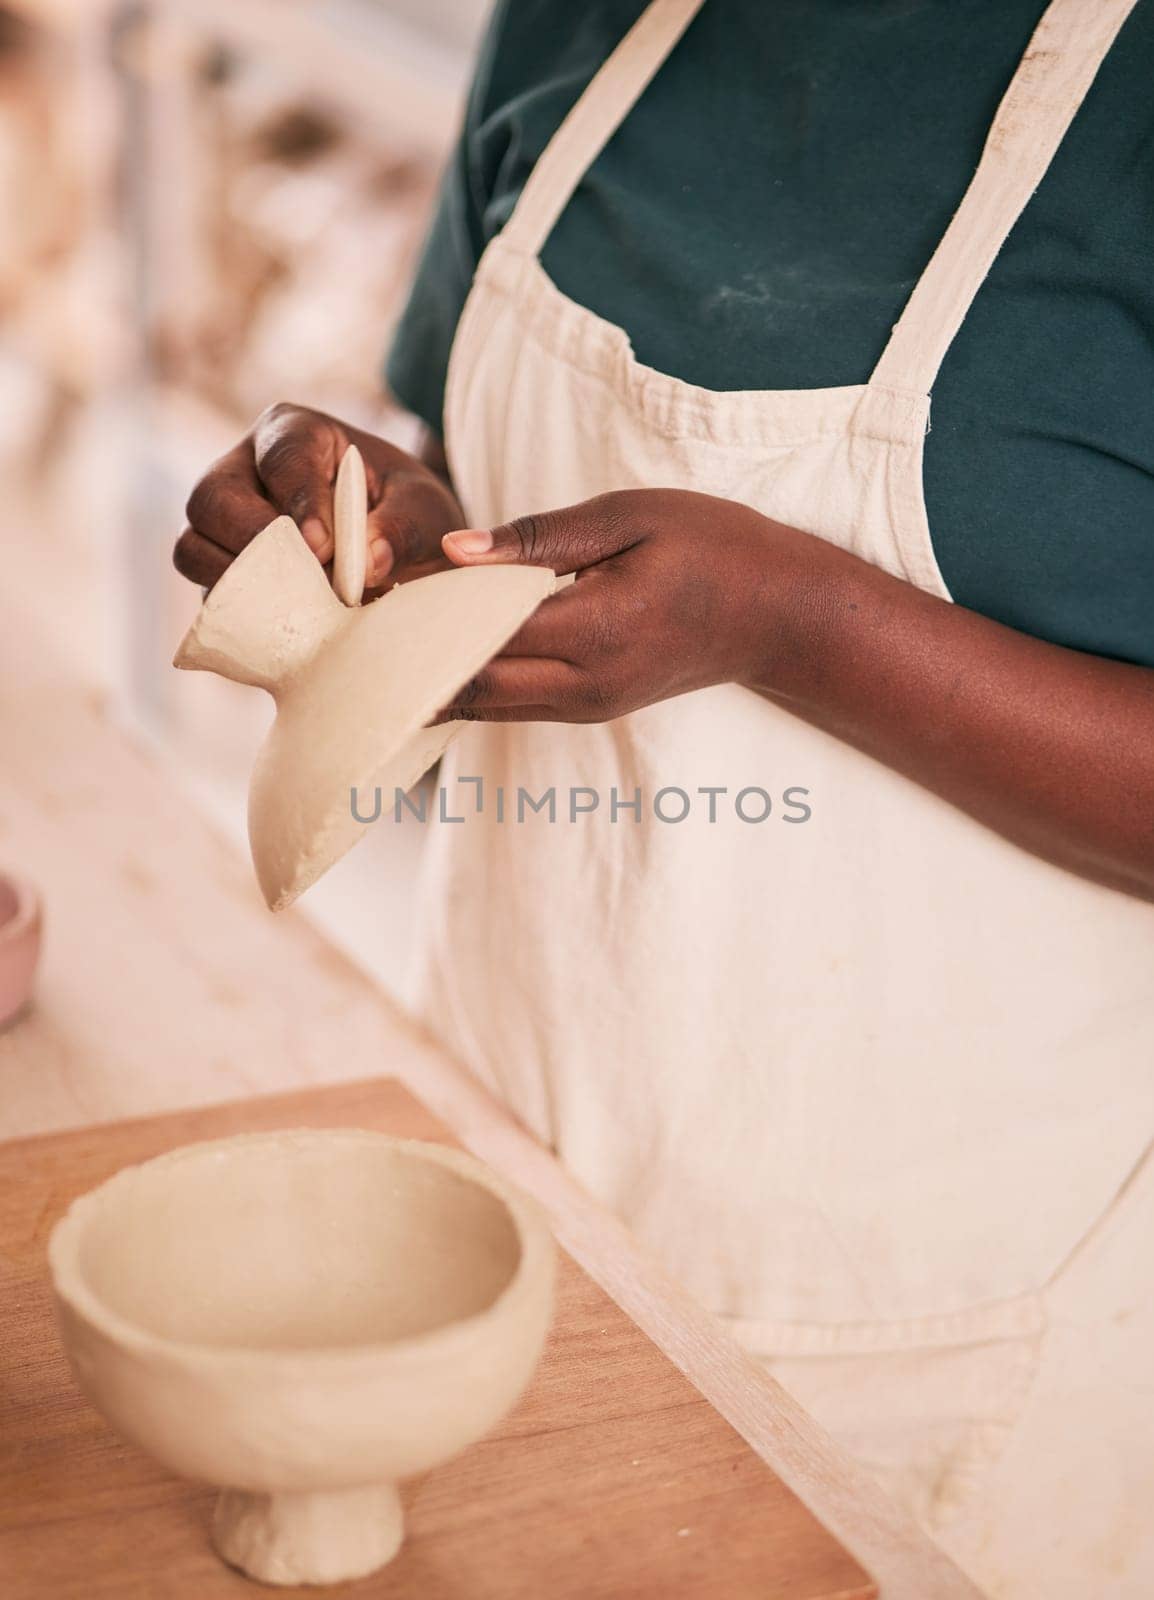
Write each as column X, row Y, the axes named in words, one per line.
column 866, row 1079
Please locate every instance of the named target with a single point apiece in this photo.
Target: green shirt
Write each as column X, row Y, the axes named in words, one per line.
column 759, row 221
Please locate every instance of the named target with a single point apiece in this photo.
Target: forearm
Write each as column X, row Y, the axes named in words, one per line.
column 1051, row 747
column 678, row 590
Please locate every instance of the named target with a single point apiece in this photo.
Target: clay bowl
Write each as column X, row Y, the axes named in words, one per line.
column 19, row 945
column 304, row 1318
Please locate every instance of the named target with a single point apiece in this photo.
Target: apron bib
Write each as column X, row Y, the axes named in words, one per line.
column 868, row 1076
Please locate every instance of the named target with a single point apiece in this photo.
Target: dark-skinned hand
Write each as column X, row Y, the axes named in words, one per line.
column 286, row 465
column 1051, row 747
column 673, row 592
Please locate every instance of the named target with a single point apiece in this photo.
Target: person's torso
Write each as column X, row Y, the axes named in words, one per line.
column 761, row 217
column 818, row 1062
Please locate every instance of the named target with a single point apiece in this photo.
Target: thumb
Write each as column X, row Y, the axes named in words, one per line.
column 297, row 453
column 567, row 540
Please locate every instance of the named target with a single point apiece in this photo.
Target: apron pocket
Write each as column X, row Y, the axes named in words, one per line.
column 929, row 1405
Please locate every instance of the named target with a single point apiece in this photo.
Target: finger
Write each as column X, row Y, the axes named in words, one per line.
column 228, row 506
column 506, row 714
column 550, row 689
column 569, row 540
column 296, row 454
column 517, row 682
column 199, row 559
column 406, row 524
column 582, row 624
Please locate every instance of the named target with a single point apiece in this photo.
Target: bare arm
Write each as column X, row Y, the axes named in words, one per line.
column 1051, row 747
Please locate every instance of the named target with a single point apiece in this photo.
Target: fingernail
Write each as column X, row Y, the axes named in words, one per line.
column 380, row 559
column 315, row 534
column 469, row 541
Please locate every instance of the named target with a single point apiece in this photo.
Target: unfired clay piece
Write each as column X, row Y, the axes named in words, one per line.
column 304, row 1318
column 355, row 686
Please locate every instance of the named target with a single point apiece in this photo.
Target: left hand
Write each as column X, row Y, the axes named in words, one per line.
column 675, row 591
column 1051, row 747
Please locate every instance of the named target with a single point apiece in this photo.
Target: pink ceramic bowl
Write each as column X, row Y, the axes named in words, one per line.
column 19, row 944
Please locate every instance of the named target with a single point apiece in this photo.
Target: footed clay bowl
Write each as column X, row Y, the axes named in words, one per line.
column 304, row 1319
column 19, row 945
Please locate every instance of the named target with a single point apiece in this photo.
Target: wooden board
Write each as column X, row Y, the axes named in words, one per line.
column 614, row 1479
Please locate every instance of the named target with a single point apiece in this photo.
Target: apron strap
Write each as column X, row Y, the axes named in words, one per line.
column 1068, row 47
column 610, row 96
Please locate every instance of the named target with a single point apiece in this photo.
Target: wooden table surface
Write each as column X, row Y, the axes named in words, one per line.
column 614, row 1476
column 166, row 985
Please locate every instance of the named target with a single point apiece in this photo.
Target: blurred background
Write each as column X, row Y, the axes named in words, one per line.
column 208, row 205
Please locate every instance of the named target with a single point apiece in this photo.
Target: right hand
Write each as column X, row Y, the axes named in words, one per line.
column 286, row 465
